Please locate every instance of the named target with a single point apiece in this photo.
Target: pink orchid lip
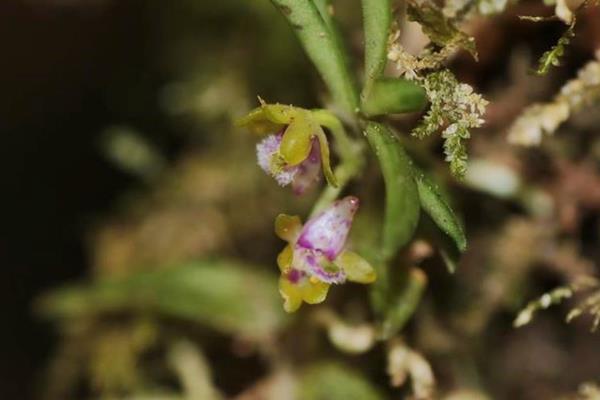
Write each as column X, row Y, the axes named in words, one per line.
column 265, row 150
column 328, row 231
column 311, row 259
column 294, row 275
column 328, row 277
column 301, row 176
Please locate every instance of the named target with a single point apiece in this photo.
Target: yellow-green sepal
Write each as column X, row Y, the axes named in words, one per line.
column 356, row 268
column 280, row 113
column 325, row 162
column 287, row 227
column 257, row 122
column 312, row 292
column 292, row 295
column 297, row 141
column 285, row 258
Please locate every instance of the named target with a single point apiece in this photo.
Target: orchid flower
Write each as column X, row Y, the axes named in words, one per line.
column 315, row 256
column 295, row 148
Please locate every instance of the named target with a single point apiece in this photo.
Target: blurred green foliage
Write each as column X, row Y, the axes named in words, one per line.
column 231, row 297
column 334, row 382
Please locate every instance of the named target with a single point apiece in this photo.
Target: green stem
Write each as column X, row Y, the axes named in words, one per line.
column 403, row 306
column 392, row 96
column 344, row 173
column 349, row 151
column 346, row 147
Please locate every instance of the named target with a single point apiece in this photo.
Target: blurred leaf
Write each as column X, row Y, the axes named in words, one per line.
column 436, row 206
column 129, row 150
column 450, row 259
column 114, row 354
column 193, row 371
column 330, row 381
column 377, row 18
column 393, row 95
column 404, row 362
column 231, row 297
column 322, row 48
column 404, row 299
column 163, row 396
column 349, row 338
column 440, row 29
column 494, row 178
column 401, row 213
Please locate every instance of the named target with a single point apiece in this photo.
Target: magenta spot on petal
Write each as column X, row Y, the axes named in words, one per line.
column 304, row 242
column 311, row 262
column 331, row 254
column 294, row 276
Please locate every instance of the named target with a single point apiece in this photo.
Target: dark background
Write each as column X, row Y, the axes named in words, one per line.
column 59, row 67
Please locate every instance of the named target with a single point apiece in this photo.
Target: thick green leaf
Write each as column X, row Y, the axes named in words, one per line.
column 402, row 208
column 322, row 48
column 227, row 296
column 436, row 206
column 377, row 17
column 327, row 12
column 393, row 95
column 329, row 381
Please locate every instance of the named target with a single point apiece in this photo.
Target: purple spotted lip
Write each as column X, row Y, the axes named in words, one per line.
column 301, row 176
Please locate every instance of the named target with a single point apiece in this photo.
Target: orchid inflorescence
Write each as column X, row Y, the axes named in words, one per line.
column 294, row 151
